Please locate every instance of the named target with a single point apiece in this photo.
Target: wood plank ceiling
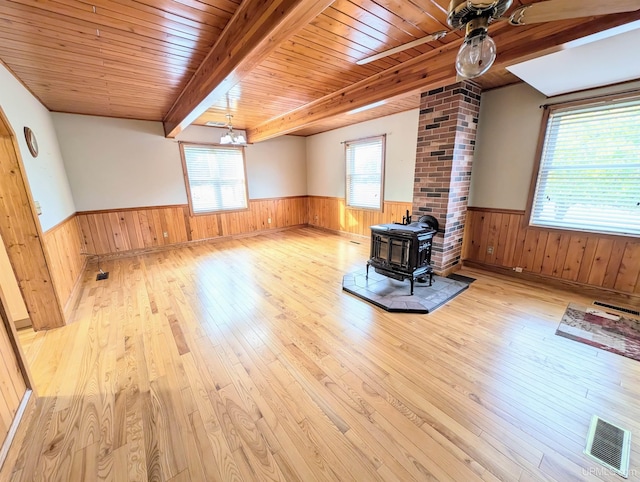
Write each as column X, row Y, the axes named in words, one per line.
column 133, row 59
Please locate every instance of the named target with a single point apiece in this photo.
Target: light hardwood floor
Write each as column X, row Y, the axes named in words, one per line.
column 245, row 360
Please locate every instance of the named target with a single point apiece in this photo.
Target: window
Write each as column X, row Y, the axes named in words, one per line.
column 365, row 172
column 589, row 174
column 215, row 178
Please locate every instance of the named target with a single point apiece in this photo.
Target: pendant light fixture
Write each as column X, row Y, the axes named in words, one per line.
column 230, row 137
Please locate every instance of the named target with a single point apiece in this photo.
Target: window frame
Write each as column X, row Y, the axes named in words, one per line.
column 185, row 175
column 544, row 125
column 383, row 138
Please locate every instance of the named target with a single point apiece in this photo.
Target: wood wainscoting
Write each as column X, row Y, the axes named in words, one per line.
column 333, row 214
column 63, row 243
column 598, row 260
column 121, row 230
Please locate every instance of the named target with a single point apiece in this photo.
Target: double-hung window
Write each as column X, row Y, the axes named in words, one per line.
column 589, row 173
column 215, row 178
column 365, row 172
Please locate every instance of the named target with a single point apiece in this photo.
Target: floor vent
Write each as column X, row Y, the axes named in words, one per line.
column 609, row 445
column 355, row 242
column 618, row 308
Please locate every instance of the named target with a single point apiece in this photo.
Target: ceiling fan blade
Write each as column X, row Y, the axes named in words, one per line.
column 550, row 10
column 400, row 48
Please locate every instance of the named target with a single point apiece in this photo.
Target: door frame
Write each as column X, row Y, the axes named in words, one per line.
column 23, row 238
column 28, row 398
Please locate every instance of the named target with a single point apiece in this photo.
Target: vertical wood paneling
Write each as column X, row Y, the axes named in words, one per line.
column 539, row 254
column 587, row 260
column 529, row 249
column 495, row 223
column 629, row 271
column 601, row 261
column 332, row 213
column 499, row 251
column 551, row 249
column 574, row 257
column 108, row 232
column 64, row 245
column 512, row 234
column 598, row 260
column 561, row 255
column 613, row 268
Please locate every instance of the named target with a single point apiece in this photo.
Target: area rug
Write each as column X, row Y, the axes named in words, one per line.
column 606, row 330
column 393, row 295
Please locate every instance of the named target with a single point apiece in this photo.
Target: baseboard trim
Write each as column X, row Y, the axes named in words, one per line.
column 595, row 292
column 74, row 298
column 167, row 247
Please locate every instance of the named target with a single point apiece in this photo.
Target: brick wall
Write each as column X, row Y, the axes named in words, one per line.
column 446, row 140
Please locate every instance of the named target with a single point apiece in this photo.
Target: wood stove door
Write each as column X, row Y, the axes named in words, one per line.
column 399, row 252
column 379, row 247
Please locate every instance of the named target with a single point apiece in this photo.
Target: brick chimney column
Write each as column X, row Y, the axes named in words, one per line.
column 446, row 141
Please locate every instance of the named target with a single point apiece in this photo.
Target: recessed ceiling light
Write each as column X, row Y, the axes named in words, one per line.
column 367, row 107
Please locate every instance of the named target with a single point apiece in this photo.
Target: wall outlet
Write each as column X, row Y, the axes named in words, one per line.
column 269, row 220
column 38, row 208
column 490, row 250
column 165, row 234
column 518, row 269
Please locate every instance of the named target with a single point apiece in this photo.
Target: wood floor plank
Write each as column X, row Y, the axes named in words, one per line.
column 244, row 360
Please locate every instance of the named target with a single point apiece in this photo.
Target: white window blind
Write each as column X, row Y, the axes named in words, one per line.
column 216, row 178
column 589, row 176
column 365, row 168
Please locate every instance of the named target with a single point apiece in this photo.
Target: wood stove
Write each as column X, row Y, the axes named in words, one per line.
column 402, row 251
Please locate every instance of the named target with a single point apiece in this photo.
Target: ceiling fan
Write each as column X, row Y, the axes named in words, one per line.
column 478, row 51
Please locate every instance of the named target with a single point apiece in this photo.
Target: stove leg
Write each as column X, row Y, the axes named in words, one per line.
column 367, row 277
column 411, row 279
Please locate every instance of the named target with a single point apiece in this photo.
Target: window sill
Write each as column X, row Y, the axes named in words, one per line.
column 224, row 211
column 358, row 208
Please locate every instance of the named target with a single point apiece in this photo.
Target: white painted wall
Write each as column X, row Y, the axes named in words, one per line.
column 325, row 156
column 275, row 168
column 120, row 163
column 508, row 132
column 506, row 144
column 45, row 174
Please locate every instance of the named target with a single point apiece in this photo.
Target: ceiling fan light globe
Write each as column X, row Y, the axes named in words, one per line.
column 476, row 56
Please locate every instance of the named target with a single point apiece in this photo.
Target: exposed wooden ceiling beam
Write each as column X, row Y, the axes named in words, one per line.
column 427, row 71
column 254, row 31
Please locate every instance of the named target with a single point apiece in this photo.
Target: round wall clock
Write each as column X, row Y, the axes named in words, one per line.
column 32, row 142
